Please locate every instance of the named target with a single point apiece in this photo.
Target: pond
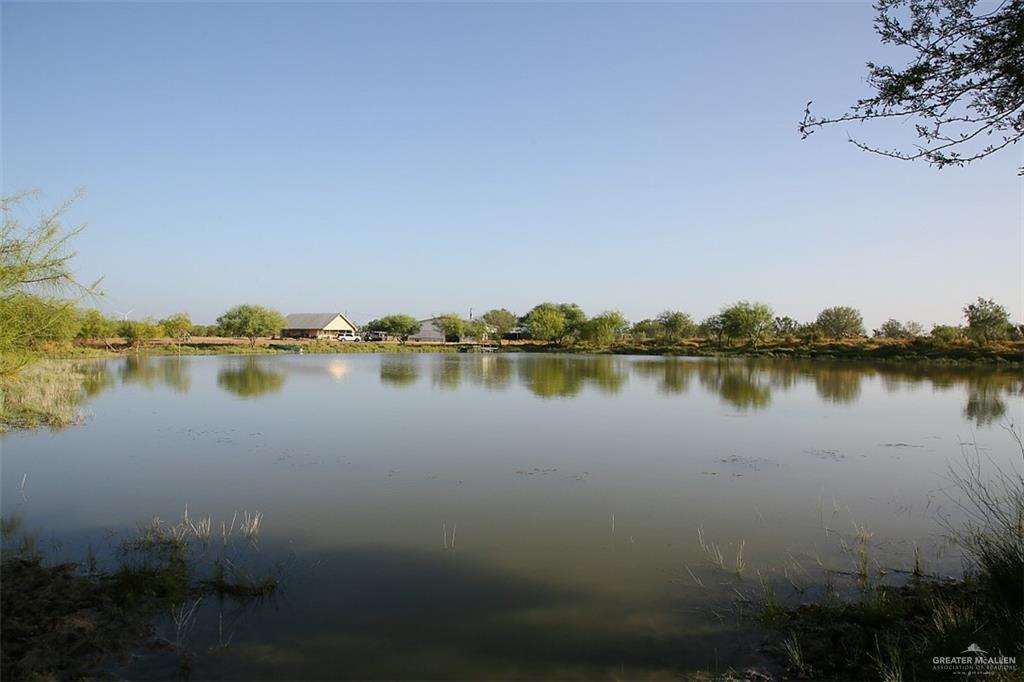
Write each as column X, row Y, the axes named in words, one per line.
column 509, row 515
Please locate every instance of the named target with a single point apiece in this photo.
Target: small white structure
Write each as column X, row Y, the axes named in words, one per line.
column 316, row 325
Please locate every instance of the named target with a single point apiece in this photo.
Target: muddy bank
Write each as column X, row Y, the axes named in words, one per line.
column 61, row 625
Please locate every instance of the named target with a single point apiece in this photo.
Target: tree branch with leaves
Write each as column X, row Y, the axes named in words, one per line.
column 963, row 88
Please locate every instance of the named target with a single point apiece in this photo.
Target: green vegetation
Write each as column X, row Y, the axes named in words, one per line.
column 501, row 321
column 450, row 325
column 605, row 328
column 987, row 321
column 35, row 278
column 399, row 326
column 177, row 326
column 961, row 89
column 67, row 621
column 894, row 329
column 751, row 321
column 840, row 322
column 251, row 322
column 137, row 332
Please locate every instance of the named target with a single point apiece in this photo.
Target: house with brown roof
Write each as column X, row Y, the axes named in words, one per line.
column 316, row 325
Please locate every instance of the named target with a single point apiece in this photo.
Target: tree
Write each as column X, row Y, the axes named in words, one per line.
column 675, row 325
column 451, row 325
column 35, row 273
column 962, row 87
column 251, row 322
column 839, row 322
column 177, row 326
column 478, row 329
column 712, row 327
column 501, row 321
column 986, row 320
column 575, row 318
column 546, row 322
column 605, row 328
column 95, row 325
column 786, row 326
column 945, row 333
column 809, row 331
column 204, row 330
column 399, row 326
column 753, row 321
column 894, row 329
column 645, row 329
column 137, row 332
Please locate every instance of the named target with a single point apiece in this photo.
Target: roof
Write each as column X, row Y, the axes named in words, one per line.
column 312, row 320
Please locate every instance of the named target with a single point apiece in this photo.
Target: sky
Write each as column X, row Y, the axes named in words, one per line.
column 426, row 158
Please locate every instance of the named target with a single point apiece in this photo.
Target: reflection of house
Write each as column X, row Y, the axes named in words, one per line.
column 316, row 325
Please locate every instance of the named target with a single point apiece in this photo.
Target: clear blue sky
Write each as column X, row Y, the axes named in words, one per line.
column 423, row 158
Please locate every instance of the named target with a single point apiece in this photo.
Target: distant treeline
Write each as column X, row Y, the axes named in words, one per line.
column 41, row 303
column 566, row 324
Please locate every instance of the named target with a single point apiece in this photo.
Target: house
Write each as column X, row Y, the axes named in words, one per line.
column 429, row 332
column 316, row 325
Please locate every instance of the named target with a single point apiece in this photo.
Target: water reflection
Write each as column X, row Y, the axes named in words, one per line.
column 170, row 372
column 446, row 373
column 838, row 384
column 743, row 384
column 491, row 370
column 250, row 379
column 673, row 375
column 398, row 371
column 740, row 384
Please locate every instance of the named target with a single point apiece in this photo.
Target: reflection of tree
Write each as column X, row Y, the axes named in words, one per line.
column 251, row 379
column 492, row 370
column 838, row 384
column 398, row 371
column 96, row 378
column 674, row 374
column 172, row 372
column 448, row 372
column 984, row 400
column 553, row 376
column 741, row 384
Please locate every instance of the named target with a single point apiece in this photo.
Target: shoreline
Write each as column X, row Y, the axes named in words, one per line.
column 862, row 350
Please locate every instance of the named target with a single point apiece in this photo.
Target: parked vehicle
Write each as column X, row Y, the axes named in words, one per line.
column 376, row 336
column 348, row 335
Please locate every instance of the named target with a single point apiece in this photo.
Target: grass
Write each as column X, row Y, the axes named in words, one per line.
column 917, row 349
column 42, row 394
column 161, row 570
column 903, row 350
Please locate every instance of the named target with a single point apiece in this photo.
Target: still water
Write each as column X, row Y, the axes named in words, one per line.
column 508, row 516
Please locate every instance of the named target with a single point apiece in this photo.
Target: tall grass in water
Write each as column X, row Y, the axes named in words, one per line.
column 42, row 394
column 993, row 535
column 894, row 631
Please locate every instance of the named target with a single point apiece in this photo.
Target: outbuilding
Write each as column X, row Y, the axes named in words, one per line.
column 316, row 325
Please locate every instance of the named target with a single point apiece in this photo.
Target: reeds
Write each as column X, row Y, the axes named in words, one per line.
column 250, row 525
column 448, row 543
column 710, row 549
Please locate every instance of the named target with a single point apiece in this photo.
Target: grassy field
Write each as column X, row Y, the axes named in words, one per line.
column 918, row 349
